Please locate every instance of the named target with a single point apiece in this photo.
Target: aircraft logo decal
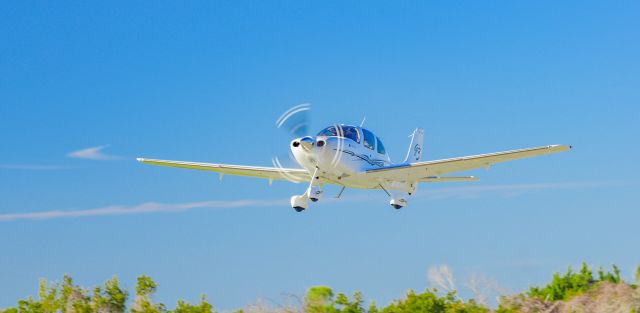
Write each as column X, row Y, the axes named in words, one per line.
column 366, row 158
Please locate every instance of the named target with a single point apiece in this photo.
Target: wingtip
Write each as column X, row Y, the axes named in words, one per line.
column 140, row 160
column 565, row 147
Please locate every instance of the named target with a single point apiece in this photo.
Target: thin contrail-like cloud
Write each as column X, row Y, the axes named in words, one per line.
column 436, row 194
column 33, row 167
column 510, row 189
column 149, row 207
column 93, row 153
column 425, row 191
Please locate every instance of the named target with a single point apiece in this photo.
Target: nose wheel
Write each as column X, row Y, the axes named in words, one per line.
column 313, row 193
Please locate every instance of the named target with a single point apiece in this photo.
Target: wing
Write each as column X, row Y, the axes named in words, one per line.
column 271, row 173
column 422, row 171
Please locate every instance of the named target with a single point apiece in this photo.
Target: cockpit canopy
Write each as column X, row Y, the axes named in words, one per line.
column 369, row 140
column 341, row 131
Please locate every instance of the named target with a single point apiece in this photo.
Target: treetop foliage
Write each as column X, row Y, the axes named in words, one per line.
column 573, row 283
column 66, row 297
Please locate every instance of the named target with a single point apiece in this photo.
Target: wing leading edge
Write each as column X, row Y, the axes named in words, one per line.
column 422, row 171
column 271, row 173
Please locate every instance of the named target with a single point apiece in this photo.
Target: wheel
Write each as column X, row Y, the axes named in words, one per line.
column 398, row 202
column 314, row 193
column 299, row 203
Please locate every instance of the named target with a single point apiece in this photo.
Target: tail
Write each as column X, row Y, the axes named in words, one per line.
column 415, row 148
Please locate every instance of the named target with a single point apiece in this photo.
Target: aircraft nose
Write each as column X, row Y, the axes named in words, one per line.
column 306, row 143
column 310, row 151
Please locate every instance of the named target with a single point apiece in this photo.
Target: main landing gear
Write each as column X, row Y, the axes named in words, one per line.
column 397, row 200
column 299, row 203
column 314, row 193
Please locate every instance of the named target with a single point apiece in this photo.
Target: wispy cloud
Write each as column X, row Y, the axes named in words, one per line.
column 149, row 207
column 155, row 207
column 32, row 167
column 93, row 153
column 511, row 189
column 472, row 191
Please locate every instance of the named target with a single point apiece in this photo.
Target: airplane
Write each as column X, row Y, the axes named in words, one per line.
column 353, row 157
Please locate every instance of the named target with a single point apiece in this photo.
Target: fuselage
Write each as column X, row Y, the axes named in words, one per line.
column 342, row 154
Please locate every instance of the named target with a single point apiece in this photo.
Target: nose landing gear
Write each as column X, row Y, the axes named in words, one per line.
column 313, row 193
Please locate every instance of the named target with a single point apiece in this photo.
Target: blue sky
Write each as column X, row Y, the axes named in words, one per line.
column 205, row 81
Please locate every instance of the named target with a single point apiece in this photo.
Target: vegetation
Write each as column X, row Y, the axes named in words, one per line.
column 578, row 292
column 581, row 291
column 572, row 283
column 65, row 297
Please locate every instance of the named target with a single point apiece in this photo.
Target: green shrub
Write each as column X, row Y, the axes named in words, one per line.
column 570, row 284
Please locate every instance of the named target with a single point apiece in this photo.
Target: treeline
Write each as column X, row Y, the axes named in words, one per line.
column 573, row 291
column 65, row 297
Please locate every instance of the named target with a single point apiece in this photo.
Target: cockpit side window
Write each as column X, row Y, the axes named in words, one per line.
column 380, row 146
column 369, row 139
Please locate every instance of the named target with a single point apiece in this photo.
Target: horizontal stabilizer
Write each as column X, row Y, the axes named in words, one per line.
column 444, row 179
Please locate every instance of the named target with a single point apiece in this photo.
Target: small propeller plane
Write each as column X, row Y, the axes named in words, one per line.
column 353, row 157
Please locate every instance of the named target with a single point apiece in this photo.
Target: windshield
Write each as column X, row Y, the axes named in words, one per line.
column 329, row 132
column 341, row 131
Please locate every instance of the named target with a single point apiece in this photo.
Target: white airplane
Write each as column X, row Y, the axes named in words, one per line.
column 352, row 156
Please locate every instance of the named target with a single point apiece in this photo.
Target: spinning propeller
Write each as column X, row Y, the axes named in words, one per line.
column 296, row 123
column 296, row 120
